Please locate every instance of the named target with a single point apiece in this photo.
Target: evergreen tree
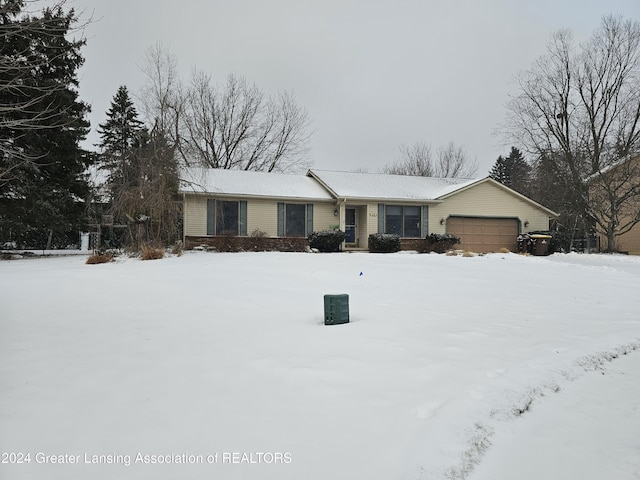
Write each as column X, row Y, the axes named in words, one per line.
column 121, row 130
column 499, row 171
column 142, row 175
column 41, row 201
column 513, row 171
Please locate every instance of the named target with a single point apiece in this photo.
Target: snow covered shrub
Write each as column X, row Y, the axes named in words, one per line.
column 151, row 253
column 384, row 243
column 439, row 243
column 326, row 240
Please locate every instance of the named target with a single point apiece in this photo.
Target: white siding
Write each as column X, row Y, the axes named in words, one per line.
column 262, row 214
column 195, row 216
column 323, row 217
column 372, row 220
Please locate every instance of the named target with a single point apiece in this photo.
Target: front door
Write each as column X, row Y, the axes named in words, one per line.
column 350, row 225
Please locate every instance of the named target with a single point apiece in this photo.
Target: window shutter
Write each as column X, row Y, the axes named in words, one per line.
column 381, row 218
column 211, row 216
column 242, row 223
column 424, row 222
column 280, row 219
column 309, row 219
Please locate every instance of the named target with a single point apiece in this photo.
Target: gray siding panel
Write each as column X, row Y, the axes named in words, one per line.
column 211, row 216
column 280, row 219
column 243, row 219
column 424, row 223
column 309, row 227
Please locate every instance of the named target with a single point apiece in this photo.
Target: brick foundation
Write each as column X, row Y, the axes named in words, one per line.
column 249, row 244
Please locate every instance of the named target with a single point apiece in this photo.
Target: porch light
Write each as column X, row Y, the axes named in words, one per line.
column 442, row 221
column 526, row 223
column 335, row 212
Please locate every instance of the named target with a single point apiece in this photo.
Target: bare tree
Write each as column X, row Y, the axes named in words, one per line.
column 579, row 106
column 453, row 162
column 161, row 96
column 237, row 127
column 144, row 184
column 144, row 194
column 417, row 160
column 25, row 104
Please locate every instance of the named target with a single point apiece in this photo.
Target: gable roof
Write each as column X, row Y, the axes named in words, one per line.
column 382, row 186
column 490, row 180
column 250, row 184
column 325, row 185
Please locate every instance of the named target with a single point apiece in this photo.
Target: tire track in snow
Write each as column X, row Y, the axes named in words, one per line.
column 479, row 436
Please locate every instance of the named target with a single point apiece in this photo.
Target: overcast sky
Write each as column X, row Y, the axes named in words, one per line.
column 372, row 74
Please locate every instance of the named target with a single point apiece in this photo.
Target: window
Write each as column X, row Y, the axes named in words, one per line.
column 295, row 219
column 402, row 220
column 294, row 222
column 227, row 218
column 411, row 222
column 393, row 220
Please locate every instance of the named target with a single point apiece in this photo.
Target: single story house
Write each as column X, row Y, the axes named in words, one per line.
column 485, row 214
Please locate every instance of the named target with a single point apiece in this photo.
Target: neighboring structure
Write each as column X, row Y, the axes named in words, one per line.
column 614, row 199
column 485, row 214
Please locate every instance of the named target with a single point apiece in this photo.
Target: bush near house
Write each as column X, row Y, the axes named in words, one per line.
column 248, row 244
column 384, row 243
column 150, row 252
column 440, row 243
column 100, row 257
column 326, row 240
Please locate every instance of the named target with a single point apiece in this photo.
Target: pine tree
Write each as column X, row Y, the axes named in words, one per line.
column 142, row 175
column 119, row 133
column 513, row 171
column 499, row 171
column 41, row 201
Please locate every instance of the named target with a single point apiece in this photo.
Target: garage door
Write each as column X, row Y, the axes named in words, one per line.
column 484, row 234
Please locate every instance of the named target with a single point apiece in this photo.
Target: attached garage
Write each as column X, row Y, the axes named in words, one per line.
column 484, row 235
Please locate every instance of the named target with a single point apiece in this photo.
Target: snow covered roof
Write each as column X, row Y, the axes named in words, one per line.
column 327, row 185
column 253, row 184
column 381, row 186
column 613, row 165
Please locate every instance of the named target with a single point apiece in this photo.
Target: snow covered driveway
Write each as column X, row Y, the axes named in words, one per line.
column 219, row 365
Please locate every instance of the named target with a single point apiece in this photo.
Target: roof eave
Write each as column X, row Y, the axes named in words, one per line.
column 257, row 197
column 420, row 201
column 311, row 173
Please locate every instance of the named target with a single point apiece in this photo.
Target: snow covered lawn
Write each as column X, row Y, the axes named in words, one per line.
column 220, row 366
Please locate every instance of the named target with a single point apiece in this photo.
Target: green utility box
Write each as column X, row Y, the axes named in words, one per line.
column 336, row 309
